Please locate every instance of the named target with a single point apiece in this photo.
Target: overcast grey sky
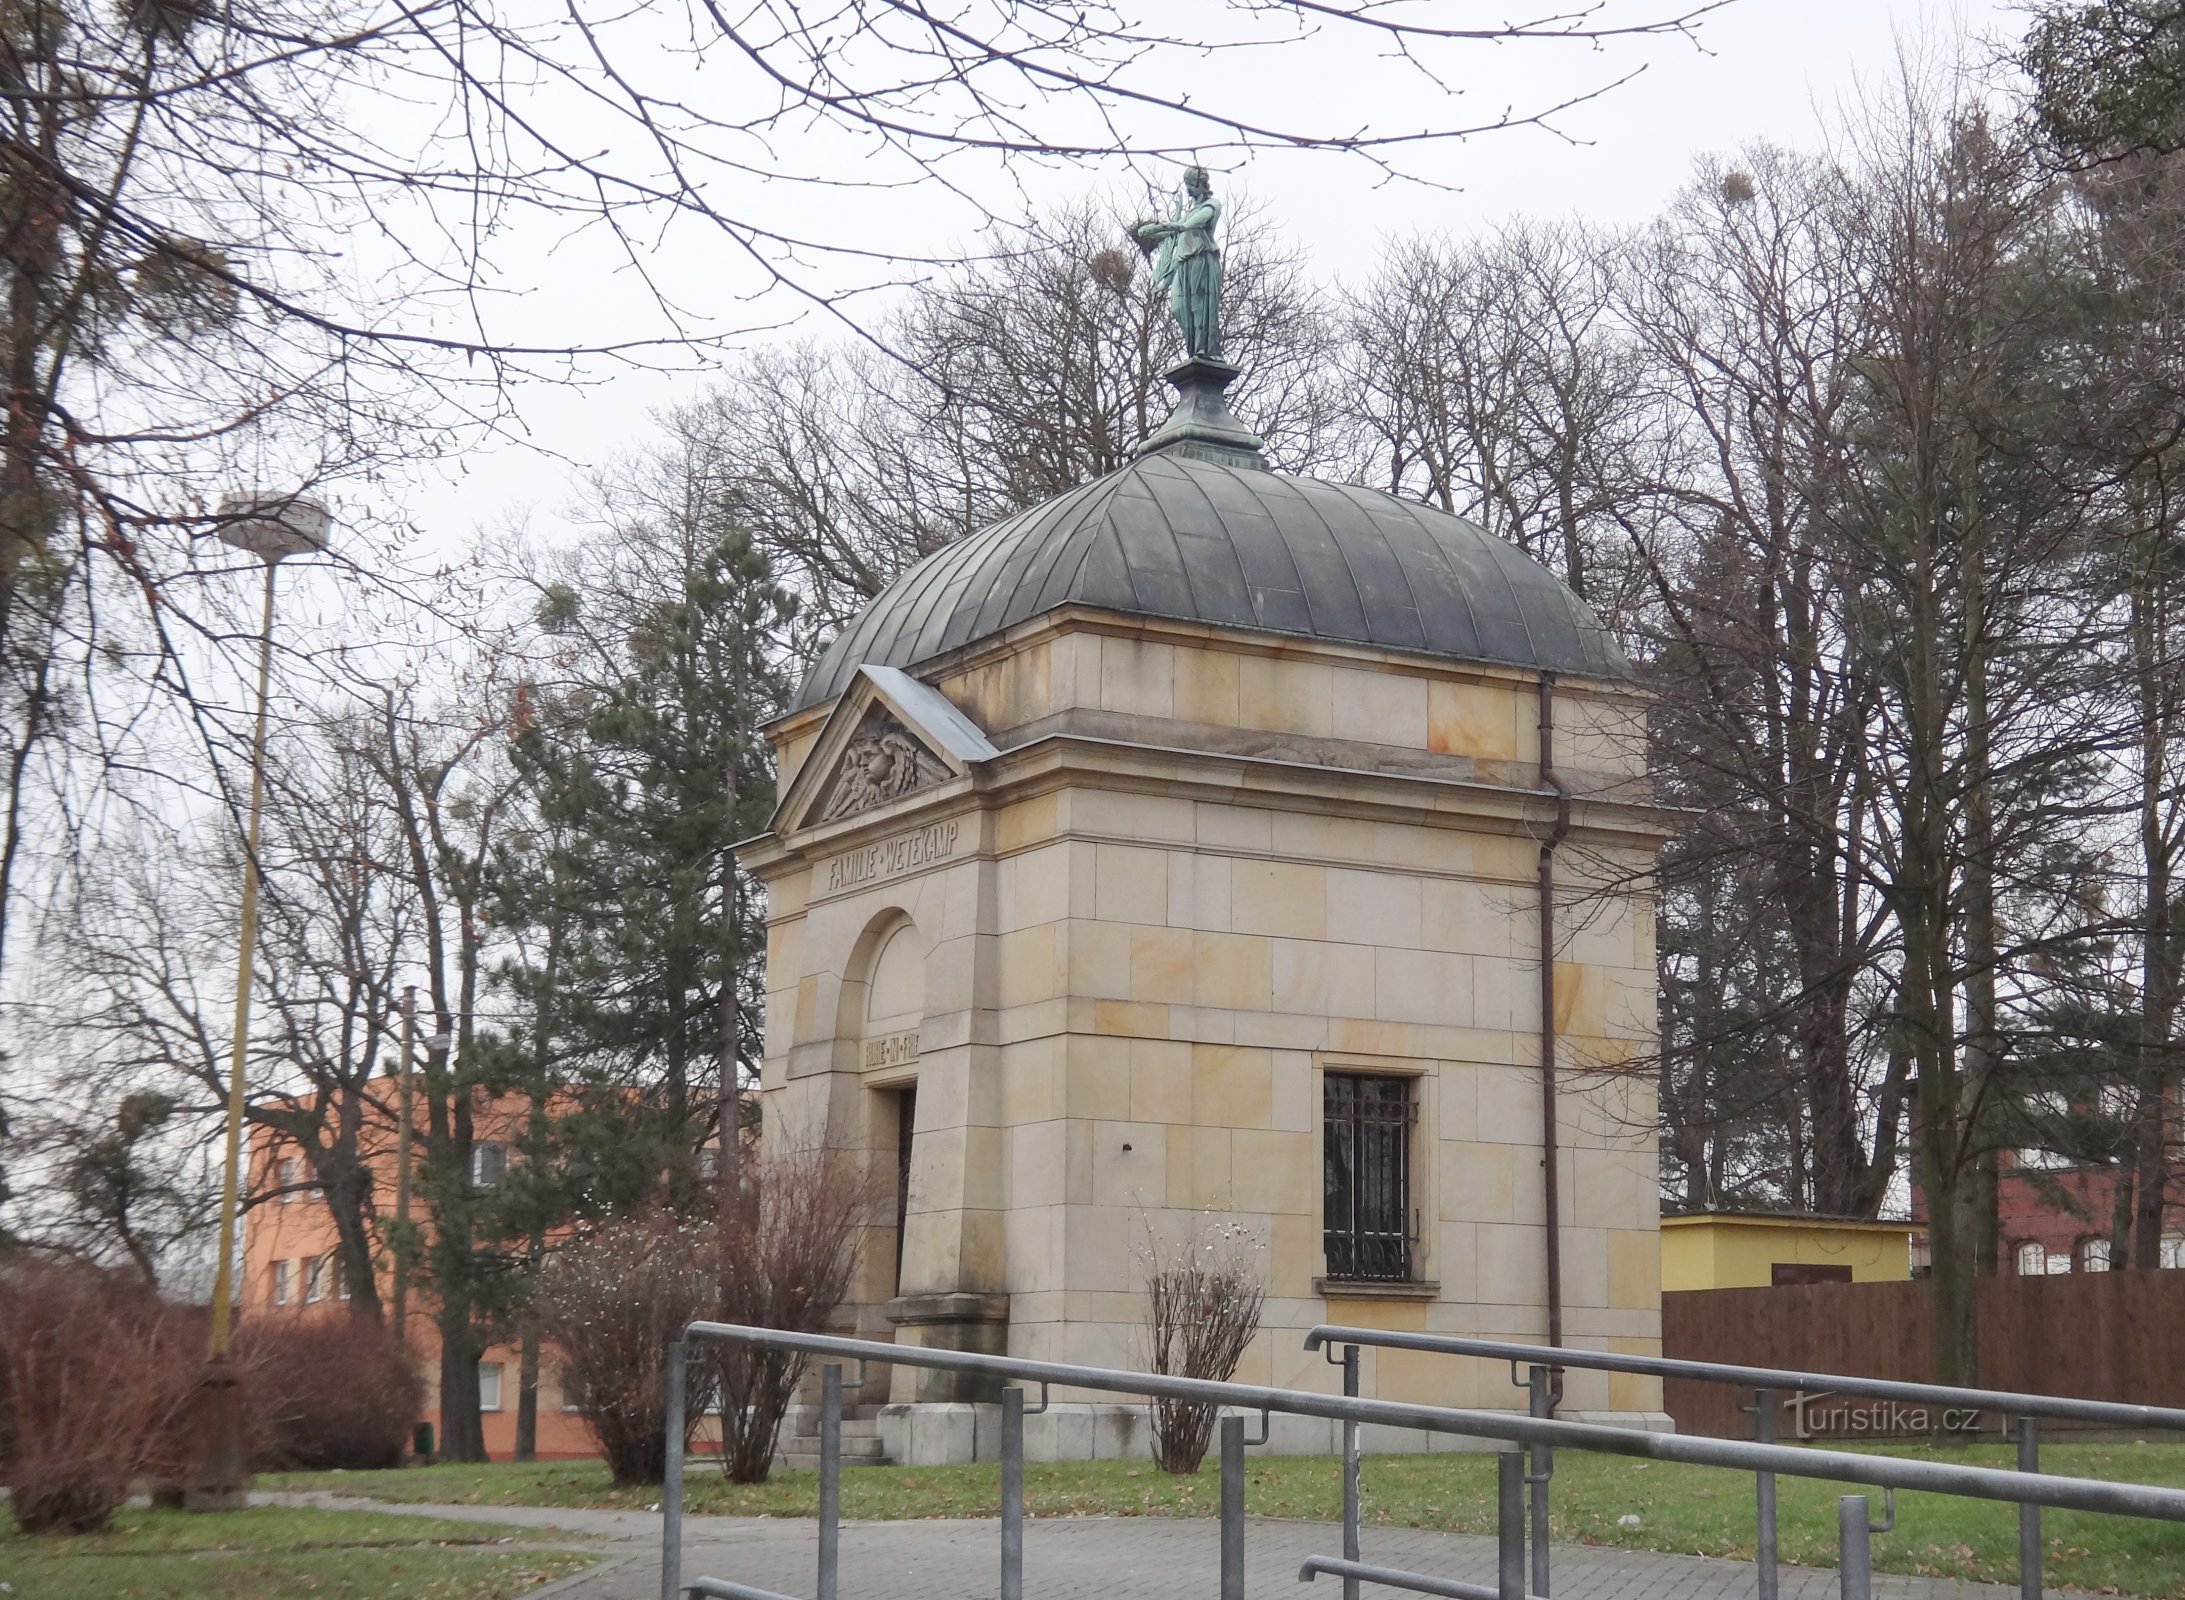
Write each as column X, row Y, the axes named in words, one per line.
column 1761, row 69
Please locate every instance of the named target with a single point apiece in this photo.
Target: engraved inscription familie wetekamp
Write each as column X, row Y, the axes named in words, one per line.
column 920, row 847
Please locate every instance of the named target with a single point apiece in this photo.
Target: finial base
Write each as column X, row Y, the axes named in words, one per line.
column 1202, row 426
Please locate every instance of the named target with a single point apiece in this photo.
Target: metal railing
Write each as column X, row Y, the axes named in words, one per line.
column 1520, row 1431
column 1543, row 1362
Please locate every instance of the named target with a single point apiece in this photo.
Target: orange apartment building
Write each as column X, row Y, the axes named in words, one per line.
column 291, row 1269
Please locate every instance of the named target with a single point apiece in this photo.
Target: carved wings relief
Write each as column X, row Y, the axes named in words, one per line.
column 883, row 761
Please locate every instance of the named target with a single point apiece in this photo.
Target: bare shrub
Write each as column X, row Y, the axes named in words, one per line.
column 614, row 1299
column 325, row 1392
column 786, row 1258
column 94, row 1369
column 1204, row 1296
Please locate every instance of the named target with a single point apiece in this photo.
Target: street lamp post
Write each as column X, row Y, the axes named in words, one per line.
column 217, row 1476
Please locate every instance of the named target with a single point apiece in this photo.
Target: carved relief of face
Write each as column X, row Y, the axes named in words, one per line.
column 880, row 764
column 876, row 763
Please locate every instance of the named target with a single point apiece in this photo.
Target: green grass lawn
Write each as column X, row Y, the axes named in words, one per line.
column 1693, row 1510
column 274, row 1553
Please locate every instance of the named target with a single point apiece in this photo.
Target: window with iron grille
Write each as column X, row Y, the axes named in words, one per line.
column 488, row 1164
column 1366, row 1173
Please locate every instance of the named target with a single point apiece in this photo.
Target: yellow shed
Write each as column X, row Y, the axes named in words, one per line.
column 1755, row 1249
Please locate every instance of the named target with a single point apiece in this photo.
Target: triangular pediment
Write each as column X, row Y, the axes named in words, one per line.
column 888, row 738
column 882, row 762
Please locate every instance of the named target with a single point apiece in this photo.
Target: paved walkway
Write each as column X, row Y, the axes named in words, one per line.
column 1108, row 1558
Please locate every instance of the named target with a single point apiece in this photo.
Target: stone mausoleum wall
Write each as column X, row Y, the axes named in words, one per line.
column 1170, row 876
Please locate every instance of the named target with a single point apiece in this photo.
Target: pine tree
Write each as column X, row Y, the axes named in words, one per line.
column 645, row 983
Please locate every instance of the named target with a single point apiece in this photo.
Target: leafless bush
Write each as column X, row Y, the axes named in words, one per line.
column 614, row 1299
column 325, row 1392
column 785, row 1263
column 1204, row 1296
column 94, row 1368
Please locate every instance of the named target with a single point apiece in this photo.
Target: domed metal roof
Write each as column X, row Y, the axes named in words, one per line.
column 1174, row 536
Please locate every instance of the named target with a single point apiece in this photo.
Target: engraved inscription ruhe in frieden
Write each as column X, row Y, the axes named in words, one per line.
column 936, row 841
column 892, row 1050
column 884, row 761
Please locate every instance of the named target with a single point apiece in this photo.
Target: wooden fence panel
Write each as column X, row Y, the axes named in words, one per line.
column 2094, row 1336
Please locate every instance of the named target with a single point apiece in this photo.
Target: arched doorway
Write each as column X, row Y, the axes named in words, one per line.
column 895, row 995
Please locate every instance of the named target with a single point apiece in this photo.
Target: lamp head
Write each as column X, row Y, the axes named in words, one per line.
column 273, row 526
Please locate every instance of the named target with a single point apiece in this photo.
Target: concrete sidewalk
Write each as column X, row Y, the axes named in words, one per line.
column 1106, row 1558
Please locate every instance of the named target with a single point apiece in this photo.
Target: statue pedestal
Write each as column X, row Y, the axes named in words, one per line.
column 1202, row 425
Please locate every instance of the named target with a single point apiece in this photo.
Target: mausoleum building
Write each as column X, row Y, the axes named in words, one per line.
column 1178, row 848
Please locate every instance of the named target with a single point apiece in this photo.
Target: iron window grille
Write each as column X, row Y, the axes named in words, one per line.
column 1366, row 1174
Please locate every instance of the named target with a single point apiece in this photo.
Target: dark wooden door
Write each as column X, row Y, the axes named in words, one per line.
column 906, row 1123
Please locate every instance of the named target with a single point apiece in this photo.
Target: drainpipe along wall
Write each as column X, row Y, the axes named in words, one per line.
column 1549, row 1133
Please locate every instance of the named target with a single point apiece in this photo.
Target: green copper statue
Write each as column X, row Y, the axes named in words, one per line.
column 1187, row 263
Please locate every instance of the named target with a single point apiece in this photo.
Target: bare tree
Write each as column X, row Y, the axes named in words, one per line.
column 1968, row 544
column 2126, row 214
column 147, row 922
column 1749, row 303
column 1499, row 380
column 1205, row 1292
column 442, row 776
column 285, row 247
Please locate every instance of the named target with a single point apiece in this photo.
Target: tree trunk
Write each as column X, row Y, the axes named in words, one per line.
column 527, row 1395
column 462, row 1428
column 345, row 1185
column 2139, row 1230
column 1982, row 1054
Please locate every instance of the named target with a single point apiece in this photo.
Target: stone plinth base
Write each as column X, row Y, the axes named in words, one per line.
column 949, row 1435
column 1644, row 1421
column 978, row 1323
column 945, row 1435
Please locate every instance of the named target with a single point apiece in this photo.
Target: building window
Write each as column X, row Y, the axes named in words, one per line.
column 2096, row 1255
column 314, row 1279
column 2173, row 1250
column 488, row 1164
column 284, row 1282
column 1790, row 1274
column 2032, row 1260
column 290, row 1178
column 572, row 1389
column 489, row 1386
column 2050, row 1114
column 1366, row 1176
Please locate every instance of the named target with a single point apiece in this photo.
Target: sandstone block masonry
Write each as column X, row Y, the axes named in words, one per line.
column 1201, row 922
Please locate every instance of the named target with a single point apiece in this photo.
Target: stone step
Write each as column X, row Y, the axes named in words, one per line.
column 805, row 1425
column 862, row 1451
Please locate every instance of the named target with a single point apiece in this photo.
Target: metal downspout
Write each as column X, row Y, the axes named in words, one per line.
column 1550, row 1166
